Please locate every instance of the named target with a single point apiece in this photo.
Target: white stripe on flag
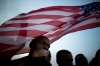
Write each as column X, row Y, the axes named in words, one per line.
column 34, row 21
column 55, row 12
column 42, row 27
column 67, row 19
column 14, row 40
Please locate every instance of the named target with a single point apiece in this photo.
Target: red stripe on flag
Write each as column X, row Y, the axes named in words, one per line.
column 45, row 16
column 23, row 50
column 17, row 25
column 39, row 17
column 35, row 33
column 73, row 9
column 5, row 46
column 28, row 33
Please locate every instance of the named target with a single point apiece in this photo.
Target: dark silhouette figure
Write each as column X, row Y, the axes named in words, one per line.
column 64, row 58
column 81, row 60
column 96, row 60
column 37, row 56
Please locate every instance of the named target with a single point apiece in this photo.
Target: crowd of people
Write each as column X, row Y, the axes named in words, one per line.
column 40, row 55
column 66, row 59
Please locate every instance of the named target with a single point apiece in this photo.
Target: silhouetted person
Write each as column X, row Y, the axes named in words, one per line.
column 37, row 55
column 81, row 60
column 96, row 60
column 64, row 58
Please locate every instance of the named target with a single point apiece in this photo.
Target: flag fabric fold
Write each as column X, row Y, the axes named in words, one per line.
column 53, row 22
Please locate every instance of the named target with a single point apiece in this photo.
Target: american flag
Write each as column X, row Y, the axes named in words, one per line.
column 53, row 22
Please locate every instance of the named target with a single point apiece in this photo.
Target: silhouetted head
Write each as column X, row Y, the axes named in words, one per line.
column 81, row 60
column 97, row 54
column 39, row 43
column 97, row 57
column 64, row 58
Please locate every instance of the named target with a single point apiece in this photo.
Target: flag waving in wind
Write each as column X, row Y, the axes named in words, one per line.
column 53, row 22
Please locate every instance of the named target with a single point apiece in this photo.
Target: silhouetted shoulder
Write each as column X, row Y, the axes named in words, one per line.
column 16, row 62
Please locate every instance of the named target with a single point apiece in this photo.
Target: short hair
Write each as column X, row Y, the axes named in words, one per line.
column 84, row 59
column 59, row 54
column 32, row 44
column 79, row 55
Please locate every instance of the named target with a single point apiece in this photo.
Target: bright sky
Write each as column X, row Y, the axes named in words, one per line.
column 86, row 41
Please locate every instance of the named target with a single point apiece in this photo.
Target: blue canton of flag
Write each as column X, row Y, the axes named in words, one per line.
column 90, row 8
